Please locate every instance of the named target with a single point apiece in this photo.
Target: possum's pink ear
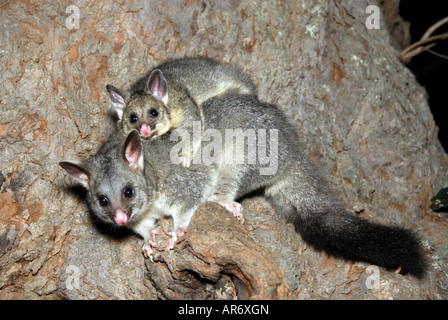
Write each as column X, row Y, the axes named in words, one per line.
column 76, row 170
column 133, row 150
column 117, row 98
column 157, row 86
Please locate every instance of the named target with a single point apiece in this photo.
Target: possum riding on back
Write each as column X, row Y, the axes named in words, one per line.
column 132, row 182
column 170, row 97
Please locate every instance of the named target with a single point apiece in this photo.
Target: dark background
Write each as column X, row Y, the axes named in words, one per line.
column 430, row 70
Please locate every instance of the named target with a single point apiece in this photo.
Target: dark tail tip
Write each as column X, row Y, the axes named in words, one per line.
column 357, row 239
column 413, row 260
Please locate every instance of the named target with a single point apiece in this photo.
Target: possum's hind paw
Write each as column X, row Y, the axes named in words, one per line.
column 234, row 207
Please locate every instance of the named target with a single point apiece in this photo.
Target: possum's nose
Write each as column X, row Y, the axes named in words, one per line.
column 120, row 216
column 145, row 130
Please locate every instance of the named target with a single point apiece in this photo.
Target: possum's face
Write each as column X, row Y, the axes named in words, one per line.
column 117, row 195
column 118, row 191
column 146, row 110
column 147, row 115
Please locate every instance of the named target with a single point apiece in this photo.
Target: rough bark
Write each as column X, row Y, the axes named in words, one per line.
column 230, row 264
column 359, row 110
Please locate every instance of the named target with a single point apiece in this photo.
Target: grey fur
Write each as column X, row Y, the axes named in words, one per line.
column 199, row 78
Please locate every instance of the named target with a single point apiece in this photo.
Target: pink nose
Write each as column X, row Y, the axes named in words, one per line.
column 120, row 216
column 145, row 130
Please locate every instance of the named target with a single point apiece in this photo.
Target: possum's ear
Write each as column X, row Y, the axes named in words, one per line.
column 117, row 98
column 157, row 86
column 76, row 170
column 133, row 150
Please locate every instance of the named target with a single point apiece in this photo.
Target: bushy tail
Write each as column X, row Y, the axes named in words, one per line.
column 357, row 239
column 324, row 223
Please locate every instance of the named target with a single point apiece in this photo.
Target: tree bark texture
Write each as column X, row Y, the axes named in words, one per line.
column 360, row 111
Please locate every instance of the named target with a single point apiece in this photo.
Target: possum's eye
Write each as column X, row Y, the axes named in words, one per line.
column 153, row 113
column 103, row 201
column 133, row 118
column 128, row 192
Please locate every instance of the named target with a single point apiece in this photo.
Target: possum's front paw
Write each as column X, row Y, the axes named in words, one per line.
column 147, row 250
column 151, row 243
column 234, row 207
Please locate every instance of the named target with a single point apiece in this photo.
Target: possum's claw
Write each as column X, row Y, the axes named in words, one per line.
column 147, row 250
column 175, row 235
column 234, row 207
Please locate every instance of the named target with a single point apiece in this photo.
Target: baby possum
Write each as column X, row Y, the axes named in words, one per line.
column 156, row 104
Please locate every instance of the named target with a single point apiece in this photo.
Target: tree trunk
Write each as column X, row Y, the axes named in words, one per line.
column 360, row 111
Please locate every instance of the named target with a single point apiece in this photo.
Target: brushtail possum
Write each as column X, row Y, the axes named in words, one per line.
column 156, row 103
column 132, row 183
column 278, row 165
